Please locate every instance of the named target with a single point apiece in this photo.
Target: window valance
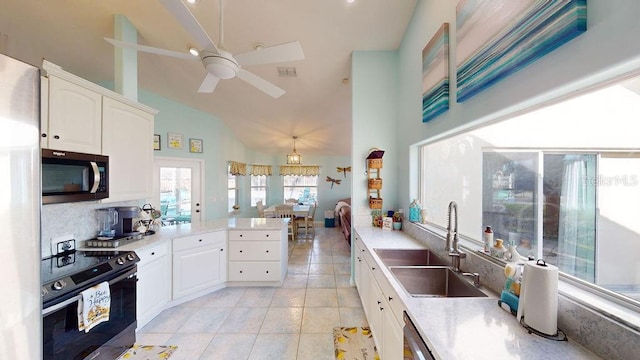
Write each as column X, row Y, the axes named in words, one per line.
column 303, row 170
column 261, row 170
column 237, row 168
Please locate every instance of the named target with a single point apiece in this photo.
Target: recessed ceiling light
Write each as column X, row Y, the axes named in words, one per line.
column 195, row 1
column 193, row 51
column 350, row 1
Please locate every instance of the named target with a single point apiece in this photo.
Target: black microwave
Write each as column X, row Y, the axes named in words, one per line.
column 70, row 176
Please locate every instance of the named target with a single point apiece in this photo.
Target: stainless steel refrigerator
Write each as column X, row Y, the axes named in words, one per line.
column 20, row 199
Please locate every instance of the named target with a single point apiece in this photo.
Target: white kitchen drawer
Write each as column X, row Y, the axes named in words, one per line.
column 254, row 271
column 254, row 250
column 152, row 253
column 190, row 242
column 254, row 235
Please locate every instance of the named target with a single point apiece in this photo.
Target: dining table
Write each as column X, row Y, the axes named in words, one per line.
column 298, row 210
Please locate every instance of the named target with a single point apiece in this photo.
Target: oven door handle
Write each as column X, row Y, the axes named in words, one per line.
column 58, row 306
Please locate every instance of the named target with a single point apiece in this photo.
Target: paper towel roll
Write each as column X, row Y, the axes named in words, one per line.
column 539, row 297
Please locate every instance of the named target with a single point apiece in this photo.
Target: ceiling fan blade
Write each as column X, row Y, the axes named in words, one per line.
column 181, row 12
column 260, row 83
column 208, row 84
column 152, row 50
column 290, row 51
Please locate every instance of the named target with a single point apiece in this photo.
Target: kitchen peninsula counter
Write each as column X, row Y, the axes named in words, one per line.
column 466, row 328
column 168, row 233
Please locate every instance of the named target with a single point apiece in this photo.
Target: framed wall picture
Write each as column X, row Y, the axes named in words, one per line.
column 174, row 140
column 195, row 145
column 156, row 142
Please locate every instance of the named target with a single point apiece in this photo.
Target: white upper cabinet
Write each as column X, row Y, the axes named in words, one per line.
column 85, row 117
column 127, row 138
column 75, row 118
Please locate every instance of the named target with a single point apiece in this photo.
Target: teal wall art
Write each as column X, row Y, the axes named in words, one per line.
column 496, row 38
column 435, row 75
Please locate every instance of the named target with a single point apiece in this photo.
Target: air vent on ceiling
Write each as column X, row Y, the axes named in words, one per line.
column 287, row 71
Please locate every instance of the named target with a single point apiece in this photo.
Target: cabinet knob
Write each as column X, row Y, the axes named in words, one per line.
column 197, row 204
column 267, row 235
column 240, row 271
column 153, row 253
column 56, row 137
column 267, row 271
column 44, row 135
column 267, row 251
column 200, row 240
column 197, row 211
column 390, row 298
column 221, row 249
column 240, row 250
column 379, row 302
column 373, row 268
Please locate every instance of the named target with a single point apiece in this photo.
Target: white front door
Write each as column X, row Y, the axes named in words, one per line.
column 177, row 187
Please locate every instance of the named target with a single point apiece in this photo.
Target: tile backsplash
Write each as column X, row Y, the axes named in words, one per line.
column 77, row 219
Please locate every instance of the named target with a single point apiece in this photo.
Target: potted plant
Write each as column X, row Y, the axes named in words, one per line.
column 397, row 221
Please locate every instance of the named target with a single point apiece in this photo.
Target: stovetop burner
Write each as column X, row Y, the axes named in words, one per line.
column 74, row 270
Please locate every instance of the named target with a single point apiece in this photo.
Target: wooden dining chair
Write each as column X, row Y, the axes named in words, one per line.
column 286, row 211
column 307, row 220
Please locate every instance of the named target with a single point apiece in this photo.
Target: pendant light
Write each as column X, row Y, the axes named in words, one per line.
column 293, row 157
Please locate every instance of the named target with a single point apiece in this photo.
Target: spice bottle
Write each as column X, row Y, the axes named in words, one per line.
column 488, row 239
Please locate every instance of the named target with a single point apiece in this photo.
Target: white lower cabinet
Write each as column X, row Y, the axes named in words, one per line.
column 153, row 288
column 380, row 303
column 199, row 263
column 258, row 256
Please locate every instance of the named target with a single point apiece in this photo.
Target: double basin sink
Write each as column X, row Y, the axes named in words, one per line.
column 425, row 274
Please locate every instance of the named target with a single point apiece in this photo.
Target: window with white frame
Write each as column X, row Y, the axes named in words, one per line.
column 561, row 183
column 258, row 189
column 304, row 189
column 232, row 191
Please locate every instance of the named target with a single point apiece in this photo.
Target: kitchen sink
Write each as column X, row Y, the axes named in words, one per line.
column 434, row 281
column 410, row 257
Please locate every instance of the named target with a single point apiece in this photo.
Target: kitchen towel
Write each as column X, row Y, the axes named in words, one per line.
column 94, row 306
column 538, row 303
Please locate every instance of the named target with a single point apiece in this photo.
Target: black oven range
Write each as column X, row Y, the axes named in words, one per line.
column 64, row 277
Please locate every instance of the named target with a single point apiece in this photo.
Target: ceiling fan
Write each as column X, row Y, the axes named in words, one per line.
column 219, row 63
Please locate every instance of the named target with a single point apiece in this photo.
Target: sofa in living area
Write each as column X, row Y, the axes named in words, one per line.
column 343, row 215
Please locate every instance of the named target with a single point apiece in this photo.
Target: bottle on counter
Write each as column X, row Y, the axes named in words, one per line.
column 488, row 239
column 414, row 211
column 498, row 250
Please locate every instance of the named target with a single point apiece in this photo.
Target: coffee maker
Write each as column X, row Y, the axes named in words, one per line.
column 126, row 220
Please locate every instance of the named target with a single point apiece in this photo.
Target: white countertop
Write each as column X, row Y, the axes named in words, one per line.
column 472, row 328
column 167, row 233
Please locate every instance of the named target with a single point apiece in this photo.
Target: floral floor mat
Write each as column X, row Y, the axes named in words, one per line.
column 148, row 352
column 354, row 343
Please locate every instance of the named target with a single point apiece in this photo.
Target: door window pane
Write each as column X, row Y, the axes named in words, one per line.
column 175, row 194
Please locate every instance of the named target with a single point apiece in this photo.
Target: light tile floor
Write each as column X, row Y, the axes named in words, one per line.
column 294, row 321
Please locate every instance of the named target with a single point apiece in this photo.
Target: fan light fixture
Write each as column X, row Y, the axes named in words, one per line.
column 193, row 51
column 293, row 157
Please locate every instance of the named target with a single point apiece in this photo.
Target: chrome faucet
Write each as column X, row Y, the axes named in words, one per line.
column 451, row 245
